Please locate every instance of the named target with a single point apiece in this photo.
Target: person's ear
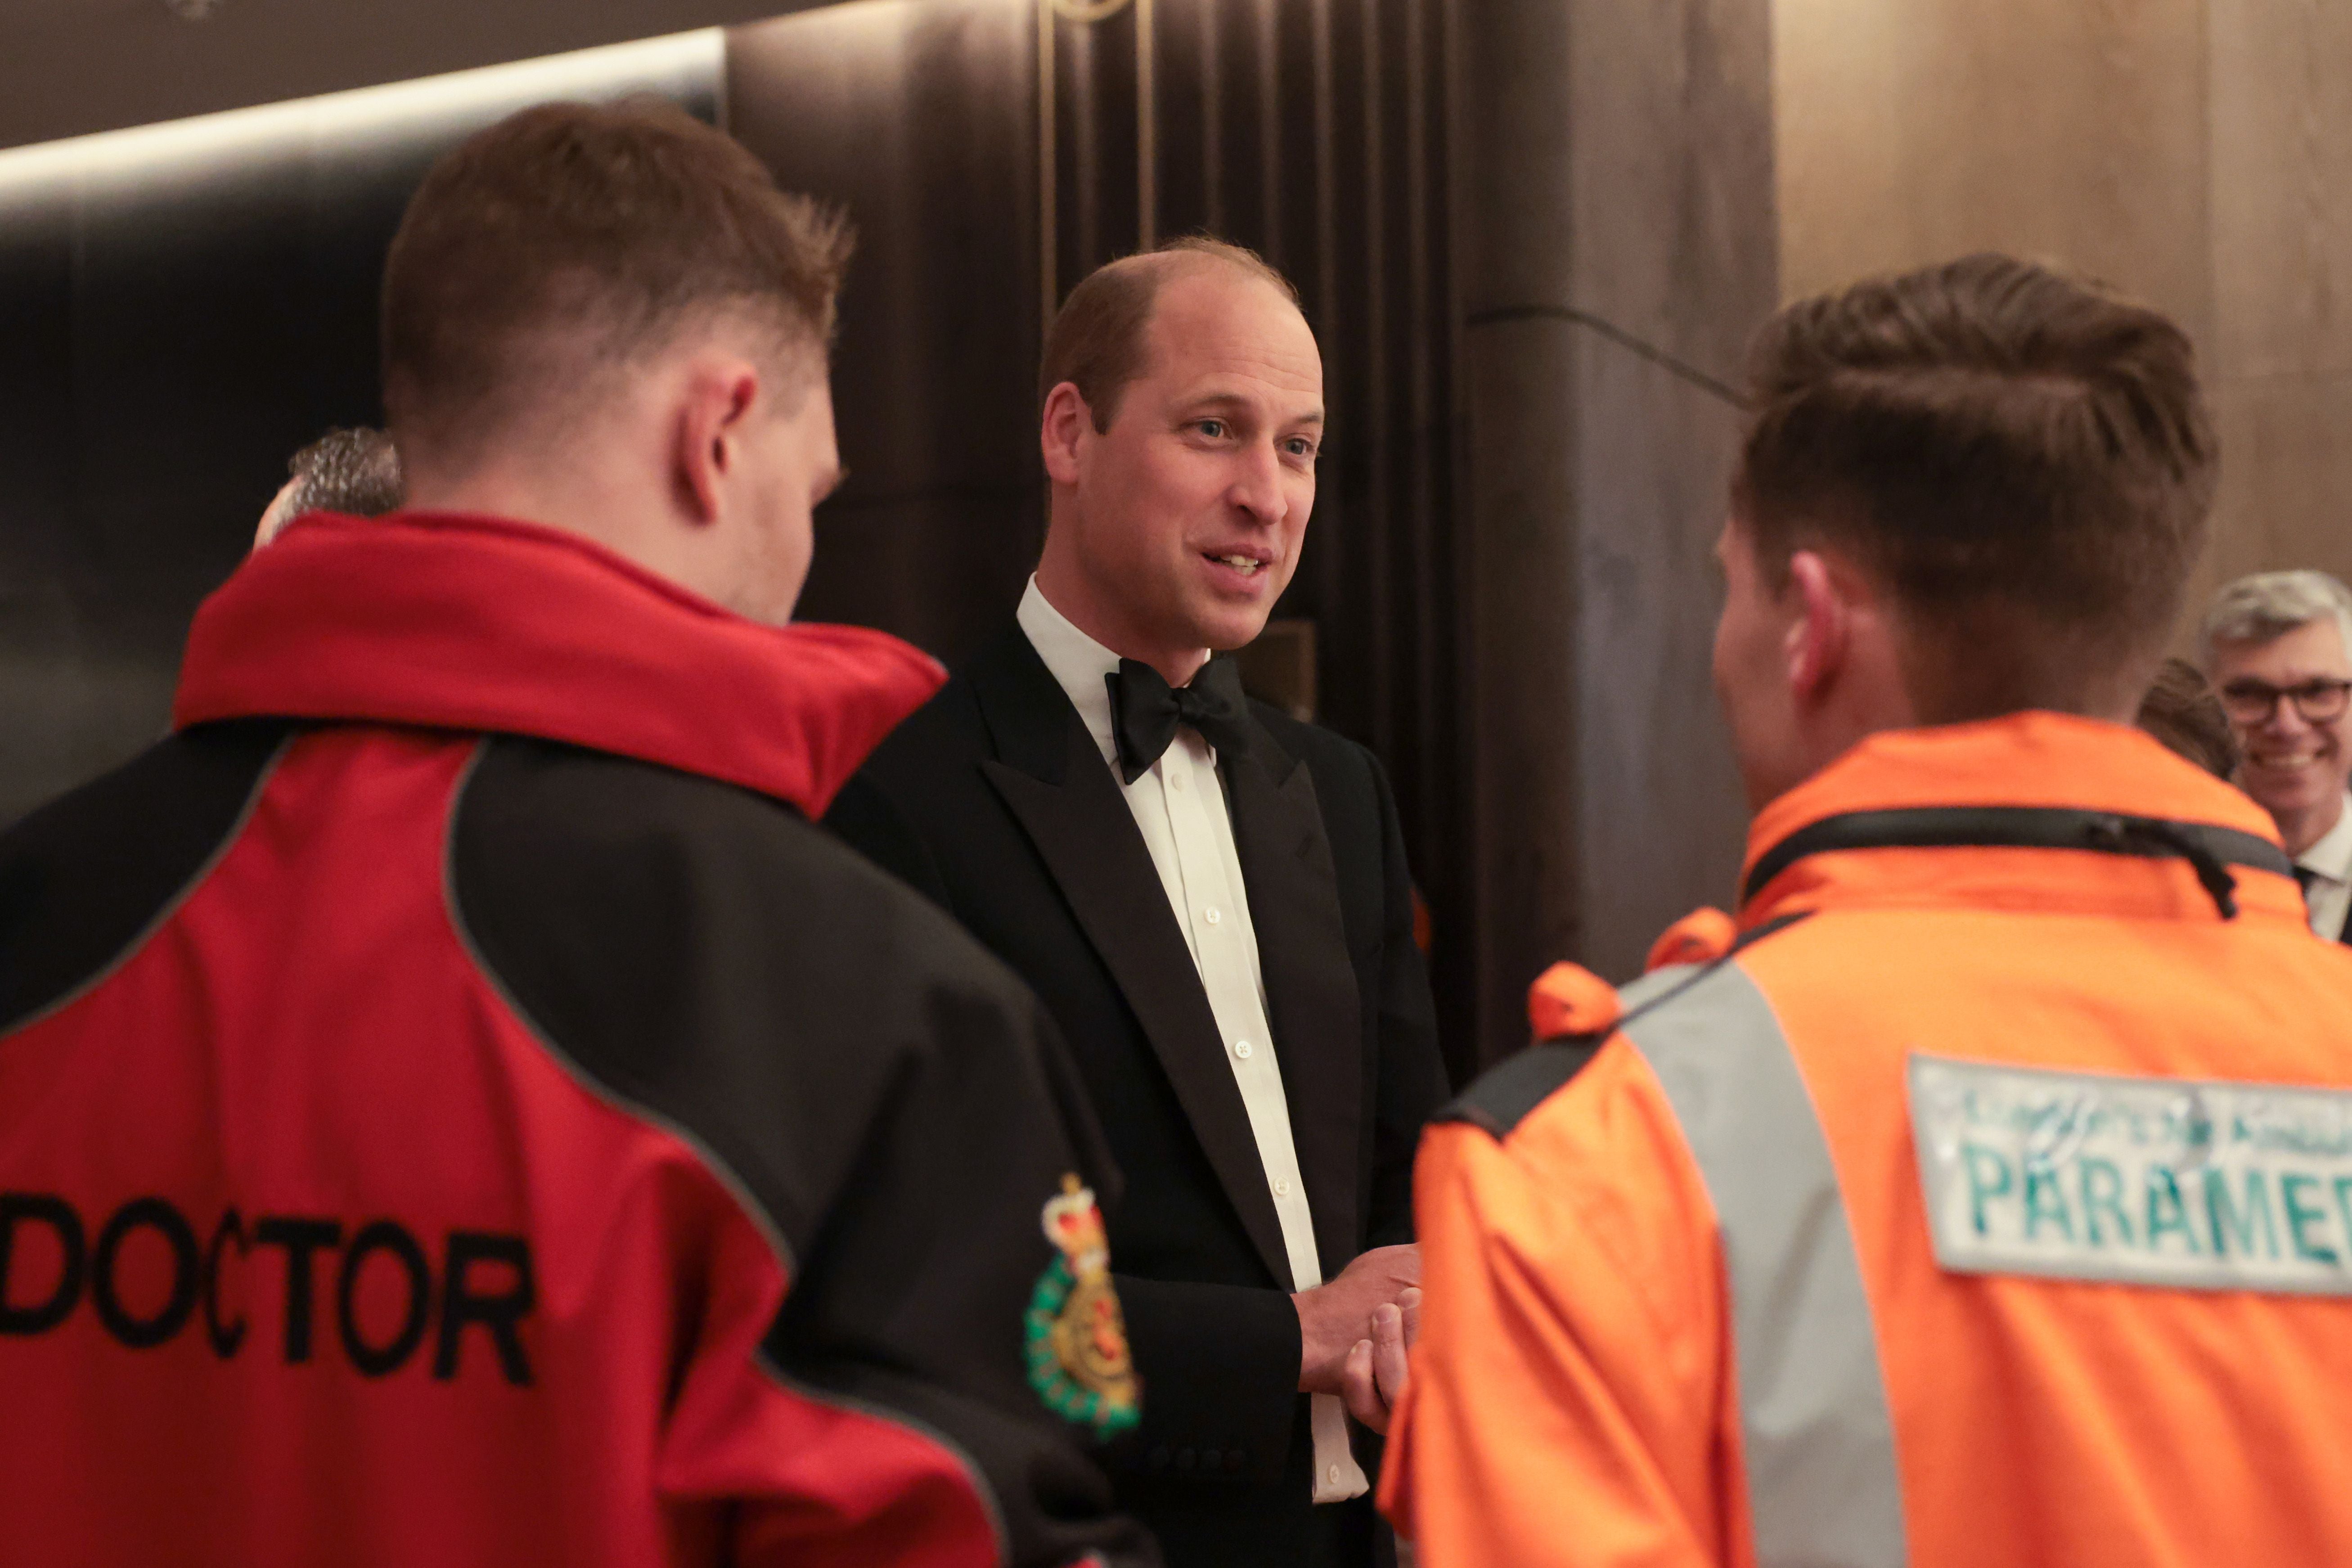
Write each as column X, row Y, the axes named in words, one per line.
column 1063, row 429
column 1818, row 641
column 718, row 402
column 279, row 514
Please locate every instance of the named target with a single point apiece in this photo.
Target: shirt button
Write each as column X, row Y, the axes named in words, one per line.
column 1332, row 1475
column 1241, row 1048
column 1175, row 781
column 1282, row 1187
column 1213, row 914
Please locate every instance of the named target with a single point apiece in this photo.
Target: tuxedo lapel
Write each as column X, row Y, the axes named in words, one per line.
column 1310, row 982
column 1054, row 780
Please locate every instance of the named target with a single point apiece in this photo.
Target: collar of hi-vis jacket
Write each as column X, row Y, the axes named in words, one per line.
column 480, row 624
column 2038, row 810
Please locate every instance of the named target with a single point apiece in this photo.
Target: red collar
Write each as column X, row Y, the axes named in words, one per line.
column 446, row 621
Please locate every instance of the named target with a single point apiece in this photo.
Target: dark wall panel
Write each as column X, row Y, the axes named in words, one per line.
column 1316, row 133
column 183, row 310
column 72, row 67
column 914, row 116
column 1312, row 130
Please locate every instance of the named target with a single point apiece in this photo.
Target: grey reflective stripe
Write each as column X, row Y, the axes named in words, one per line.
column 1821, row 1480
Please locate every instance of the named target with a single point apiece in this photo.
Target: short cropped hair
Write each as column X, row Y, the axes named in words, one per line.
column 571, row 240
column 2180, row 710
column 2271, row 604
column 2023, row 460
column 355, row 471
column 1100, row 340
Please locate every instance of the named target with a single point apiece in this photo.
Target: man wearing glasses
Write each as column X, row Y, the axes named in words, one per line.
column 2278, row 648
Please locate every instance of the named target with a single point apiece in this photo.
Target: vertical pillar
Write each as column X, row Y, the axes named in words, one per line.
column 1617, row 245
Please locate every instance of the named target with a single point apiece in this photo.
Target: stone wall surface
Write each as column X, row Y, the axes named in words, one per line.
column 1513, row 234
column 1662, row 822
column 1618, row 247
column 1675, row 246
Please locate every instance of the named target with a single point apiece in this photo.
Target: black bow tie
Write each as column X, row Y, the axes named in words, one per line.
column 1144, row 712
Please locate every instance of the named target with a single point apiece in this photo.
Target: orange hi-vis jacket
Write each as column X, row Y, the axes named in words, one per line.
column 1989, row 1201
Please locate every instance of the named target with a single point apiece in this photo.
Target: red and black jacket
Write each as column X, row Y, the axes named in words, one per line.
column 455, row 1108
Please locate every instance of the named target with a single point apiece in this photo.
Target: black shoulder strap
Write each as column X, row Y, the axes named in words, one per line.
column 2210, row 848
column 1504, row 1094
column 1501, row 1099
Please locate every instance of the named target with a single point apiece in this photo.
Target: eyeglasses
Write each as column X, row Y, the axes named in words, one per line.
column 2252, row 702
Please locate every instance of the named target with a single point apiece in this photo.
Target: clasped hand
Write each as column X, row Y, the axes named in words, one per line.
column 1354, row 1332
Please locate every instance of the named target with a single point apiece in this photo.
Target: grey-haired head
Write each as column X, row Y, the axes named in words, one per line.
column 2263, row 606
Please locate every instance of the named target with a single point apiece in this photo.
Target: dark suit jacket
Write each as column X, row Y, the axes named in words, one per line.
column 994, row 801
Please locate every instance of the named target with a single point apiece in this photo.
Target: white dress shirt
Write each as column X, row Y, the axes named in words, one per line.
column 1180, row 807
column 2328, row 867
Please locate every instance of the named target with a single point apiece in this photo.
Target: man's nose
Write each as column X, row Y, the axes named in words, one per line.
column 1257, row 489
column 2286, row 720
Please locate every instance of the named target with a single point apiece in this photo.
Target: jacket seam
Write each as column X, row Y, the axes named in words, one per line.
column 573, row 1068
column 876, row 1411
column 1460, row 1108
column 1784, row 1043
column 736, row 1188
column 1616, row 1033
column 171, row 907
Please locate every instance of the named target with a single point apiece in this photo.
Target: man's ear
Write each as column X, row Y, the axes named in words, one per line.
column 719, row 399
column 1820, row 639
column 1063, row 428
column 277, row 515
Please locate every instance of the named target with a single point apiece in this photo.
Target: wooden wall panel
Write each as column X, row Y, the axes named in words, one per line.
column 2197, row 152
column 1914, row 130
column 2281, row 352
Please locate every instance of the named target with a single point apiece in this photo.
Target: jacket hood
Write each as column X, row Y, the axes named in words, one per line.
column 2036, row 760
column 446, row 621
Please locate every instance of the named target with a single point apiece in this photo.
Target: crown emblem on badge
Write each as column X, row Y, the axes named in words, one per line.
column 1076, row 1337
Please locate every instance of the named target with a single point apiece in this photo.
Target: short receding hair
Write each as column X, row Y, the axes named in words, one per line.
column 1100, row 340
column 2022, row 459
column 571, row 240
column 2270, row 605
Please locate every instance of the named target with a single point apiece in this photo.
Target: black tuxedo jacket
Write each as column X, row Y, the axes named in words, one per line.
column 994, row 801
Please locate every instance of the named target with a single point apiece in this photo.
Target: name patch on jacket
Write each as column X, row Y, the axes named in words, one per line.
column 2142, row 1181
column 148, row 1273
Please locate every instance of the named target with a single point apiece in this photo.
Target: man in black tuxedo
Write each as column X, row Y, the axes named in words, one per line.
column 1211, row 898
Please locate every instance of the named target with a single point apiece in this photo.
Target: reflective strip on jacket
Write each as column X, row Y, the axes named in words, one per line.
column 1684, row 1302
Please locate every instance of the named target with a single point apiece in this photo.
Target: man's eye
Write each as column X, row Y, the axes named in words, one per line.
column 1300, row 447
column 1212, row 428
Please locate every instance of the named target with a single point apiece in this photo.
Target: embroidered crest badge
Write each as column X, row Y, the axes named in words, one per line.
column 1076, row 1339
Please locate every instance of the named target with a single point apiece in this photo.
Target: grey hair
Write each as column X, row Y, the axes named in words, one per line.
column 2270, row 605
column 351, row 471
